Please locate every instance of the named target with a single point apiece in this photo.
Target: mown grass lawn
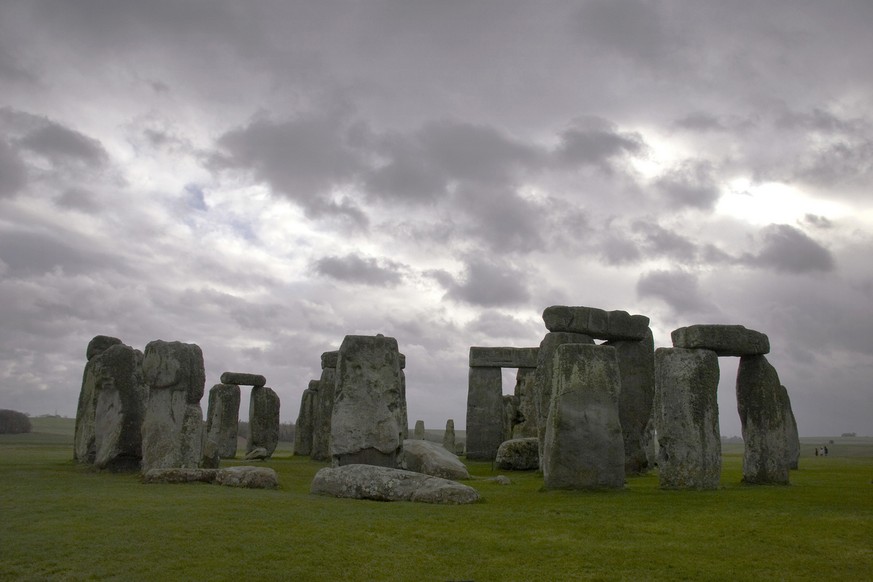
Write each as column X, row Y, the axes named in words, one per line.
column 61, row 521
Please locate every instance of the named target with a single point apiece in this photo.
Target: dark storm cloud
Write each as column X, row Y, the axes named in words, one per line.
column 59, row 144
column 33, row 253
column 786, row 248
column 618, row 249
column 354, row 268
column 680, row 290
column 596, row 142
column 502, row 219
column 486, row 283
column 690, row 184
column 661, row 242
column 13, row 173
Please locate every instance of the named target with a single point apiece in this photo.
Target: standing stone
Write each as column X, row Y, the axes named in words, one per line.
column 511, row 415
column 584, row 447
column 518, row 455
column 791, row 435
column 484, row 413
column 419, row 434
column 304, row 426
column 364, row 426
column 636, row 360
column 542, row 380
column 222, row 424
column 323, row 407
column 402, row 412
column 84, row 445
column 172, row 431
column 449, row 436
column 121, row 399
column 686, row 418
column 762, row 416
column 263, row 420
column 526, row 411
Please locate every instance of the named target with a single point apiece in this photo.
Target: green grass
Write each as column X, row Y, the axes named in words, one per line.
column 61, row 521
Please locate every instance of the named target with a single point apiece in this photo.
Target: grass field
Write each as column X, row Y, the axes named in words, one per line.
column 61, row 521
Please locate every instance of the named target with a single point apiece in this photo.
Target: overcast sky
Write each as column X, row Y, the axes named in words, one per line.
column 263, row 178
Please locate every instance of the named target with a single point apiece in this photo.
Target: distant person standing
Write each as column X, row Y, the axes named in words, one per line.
column 816, row 451
column 825, row 450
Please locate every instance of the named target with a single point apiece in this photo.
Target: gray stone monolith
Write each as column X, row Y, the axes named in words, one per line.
column 306, row 416
column 418, row 433
column 764, row 425
column 172, row 430
column 791, row 434
column 518, row 455
column 543, row 378
column 484, row 413
column 403, row 412
column 526, row 411
column 243, row 379
column 364, row 426
column 449, row 436
column 686, row 418
column 121, row 401
column 222, row 424
column 263, row 420
column 323, row 408
column 84, row 446
column 584, row 446
column 636, row 360
column 596, row 323
column 511, row 415
column 724, row 340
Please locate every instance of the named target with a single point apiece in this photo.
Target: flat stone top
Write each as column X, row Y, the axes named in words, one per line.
column 597, row 323
column 329, row 359
column 241, row 378
column 503, row 357
column 724, row 340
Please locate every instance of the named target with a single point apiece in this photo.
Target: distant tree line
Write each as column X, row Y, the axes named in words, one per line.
column 286, row 431
column 13, row 422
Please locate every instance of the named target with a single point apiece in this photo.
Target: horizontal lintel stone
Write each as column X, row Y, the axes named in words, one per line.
column 243, row 379
column 499, row 357
column 724, row 340
column 597, row 323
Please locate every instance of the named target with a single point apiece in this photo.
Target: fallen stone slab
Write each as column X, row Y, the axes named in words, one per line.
column 257, row 454
column 433, row 459
column 519, row 455
column 175, row 475
column 724, row 340
column 386, row 484
column 597, row 323
column 242, row 476
column 243, row 379
column 503, row 357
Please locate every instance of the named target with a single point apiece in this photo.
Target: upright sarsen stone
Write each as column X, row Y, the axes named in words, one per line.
column 84, row 445
column 172, row 431
column 484, row 413
column 584, row 446
column 449, row 436
column 764, row 423
column 323, row 407
column 263, row 420
column 222, row 424
column 526, row 413
column 791, row 435
column 121, row 401
column 303, row 428
column 686, row 418
column 364, row 425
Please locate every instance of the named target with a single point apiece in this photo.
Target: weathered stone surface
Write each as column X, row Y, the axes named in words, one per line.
column 596, row 323
column 120, row 408
column 99, row 344
column 792, row 436
column 305, row 419
column 686, row 418
column 364, row 427
column 636, row 360
column 511, row 416
column 526, row 425
column 247, row 477
column 222, row 424
column 257, row 454
column 500, row 480
column 402, row 360
column 519, row 455
column 329, row 359
column 419, row 434
column 449, row 436
column 175, row 366
column 172, row 431
column 263, row 419
column 542, row 381
column 503, row 357
column 484, row 413
column 323, row 413
column 243, row 379
column 430, row 458
column 724, row 340
column 402, row 412
column 584, row 447
column 387, row 484
column 762, row 416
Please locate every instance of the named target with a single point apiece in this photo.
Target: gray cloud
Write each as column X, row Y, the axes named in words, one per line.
column 690, row 184
column 33, row 253
column 78, row 199
column 680, row 290
column 660, row 242
column 60, row 144
column 597, row 142
column 786, row 248
column 486, row 283
column 353, row 268
column 13, row 174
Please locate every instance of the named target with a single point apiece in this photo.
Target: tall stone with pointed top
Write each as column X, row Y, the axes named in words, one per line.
column 584, row 447
column 791, row 435
column 222, row 424
column 303, row 428
column 686, row 418
column 263, row 420
column 172, row 431
column 449, row 436
column 364, row 426
column 419, row 434
column 764, row 423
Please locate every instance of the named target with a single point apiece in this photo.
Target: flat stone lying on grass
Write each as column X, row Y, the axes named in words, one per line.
column 724, row 340
column 430, row 458
column 257, row 454
column 519, row 455
column 242, row 476
column 386, row 484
